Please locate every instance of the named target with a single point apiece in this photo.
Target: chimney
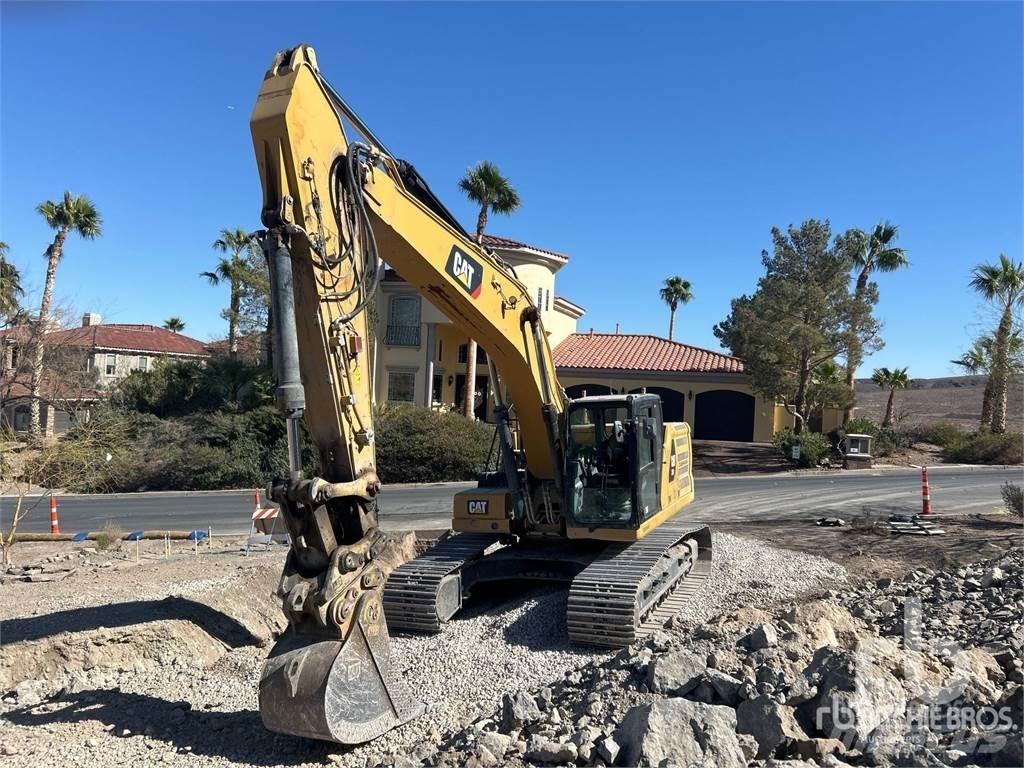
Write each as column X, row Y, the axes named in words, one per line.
column 616, row 329
column 591, row 330
column 91, row 318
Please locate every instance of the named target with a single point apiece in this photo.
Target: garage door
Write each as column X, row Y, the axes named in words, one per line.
column 723, row 414
column 673, row 404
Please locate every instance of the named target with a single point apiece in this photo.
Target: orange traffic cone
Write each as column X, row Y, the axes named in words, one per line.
column 54, row 522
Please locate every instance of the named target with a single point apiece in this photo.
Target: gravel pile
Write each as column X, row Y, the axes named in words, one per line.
column 976, row 605
column 808, row 682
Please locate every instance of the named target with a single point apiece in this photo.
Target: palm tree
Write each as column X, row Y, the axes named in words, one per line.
column 174, row 324
column 877, row 253
column 1003, row 285
column 891, row 379
column 232, row 271
column 10, row 284
column 675, row 292
column 71, row 214
column 485, row 186
column 976, row 360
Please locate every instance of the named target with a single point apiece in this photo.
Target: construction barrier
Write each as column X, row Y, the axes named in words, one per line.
column 926, row 496
column 54, row 522
column 263, row 525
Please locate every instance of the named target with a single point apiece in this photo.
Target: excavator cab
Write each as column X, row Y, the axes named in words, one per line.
column 613, row 454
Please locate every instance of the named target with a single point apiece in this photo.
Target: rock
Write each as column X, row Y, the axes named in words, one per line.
column 763, row 636
column 31, row 692
column 608, row 750
column 772, row 725
column 401, row 761
column 518, row 710
column 855, row 693
column 550, row 752
column 485, row 757
column 676, row 673
column 680, row 732
column 726, row 686
column 816, row 750
column 495, row 743
column 993, row 576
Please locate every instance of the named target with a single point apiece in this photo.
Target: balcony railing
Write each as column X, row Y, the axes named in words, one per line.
column 402, row 336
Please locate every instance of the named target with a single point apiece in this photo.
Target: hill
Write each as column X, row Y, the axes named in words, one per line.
column 950, row 398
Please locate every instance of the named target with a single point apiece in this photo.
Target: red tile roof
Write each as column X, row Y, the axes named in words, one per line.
column 136, row 338
column 494, row 241
column 640, row 352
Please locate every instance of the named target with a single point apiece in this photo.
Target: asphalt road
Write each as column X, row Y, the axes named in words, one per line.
column 424, row 507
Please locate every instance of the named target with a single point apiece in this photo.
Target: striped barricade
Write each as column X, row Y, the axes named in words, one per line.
column 262, row 530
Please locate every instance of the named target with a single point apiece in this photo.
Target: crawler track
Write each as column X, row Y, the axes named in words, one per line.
column 427, row 591
column 631, row 589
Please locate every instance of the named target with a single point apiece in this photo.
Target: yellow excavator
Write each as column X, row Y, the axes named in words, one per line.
column 584, row 490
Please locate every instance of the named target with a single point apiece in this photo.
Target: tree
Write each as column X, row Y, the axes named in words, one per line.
column 876, row 252
column 231, row 270
column 10, row 286
column 485, row 186
column 797, row 320
column 174, row 324
column 978, row 360
column 676, row 291
column 891, row 379
column 1001, row 284
column 72, row 214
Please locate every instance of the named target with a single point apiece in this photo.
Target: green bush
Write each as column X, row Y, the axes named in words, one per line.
column 987, row 448
column 944, row 434
column 417, row 445
column 860, row 426
column 1013, row 497
column 814, row 446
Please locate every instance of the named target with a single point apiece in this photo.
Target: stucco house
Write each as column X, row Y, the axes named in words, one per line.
column 421, row 359
column 420, row 356
column 83, row 363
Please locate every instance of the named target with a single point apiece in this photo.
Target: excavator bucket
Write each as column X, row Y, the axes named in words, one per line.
column 336, row 690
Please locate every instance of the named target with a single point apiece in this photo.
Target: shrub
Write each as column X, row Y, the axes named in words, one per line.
column 888, row 440
column 987, row 448
column 110, row 537
column 944, row 434
column 860, row 426
column 814, row 446
column 1013, row 497
column 417, row 445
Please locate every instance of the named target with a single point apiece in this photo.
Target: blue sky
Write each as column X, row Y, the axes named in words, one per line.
column 646, row 140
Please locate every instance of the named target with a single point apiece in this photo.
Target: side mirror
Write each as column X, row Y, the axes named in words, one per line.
column 620, row 432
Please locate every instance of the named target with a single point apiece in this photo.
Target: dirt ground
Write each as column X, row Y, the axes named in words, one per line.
column 159, row 657
column 873, row 554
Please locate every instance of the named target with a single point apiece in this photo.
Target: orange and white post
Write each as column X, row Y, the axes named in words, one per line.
column 54, row 522
column 926, row 494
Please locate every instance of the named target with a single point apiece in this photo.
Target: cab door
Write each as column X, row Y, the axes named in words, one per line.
column 647, row 459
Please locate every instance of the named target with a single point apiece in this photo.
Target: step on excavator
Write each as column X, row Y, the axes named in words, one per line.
column 587, row 491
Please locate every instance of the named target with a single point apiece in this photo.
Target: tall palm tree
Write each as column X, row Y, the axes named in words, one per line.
column 10, row 284
column 232, row 271
column 174, row 324
column 492, row 192
column 978, row 360
column 676, row 291
column 878, row 253
column 1003, row 285
column 891, row 379
column 72, row 214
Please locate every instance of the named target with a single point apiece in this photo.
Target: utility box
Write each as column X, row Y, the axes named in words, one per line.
column 857, row 452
